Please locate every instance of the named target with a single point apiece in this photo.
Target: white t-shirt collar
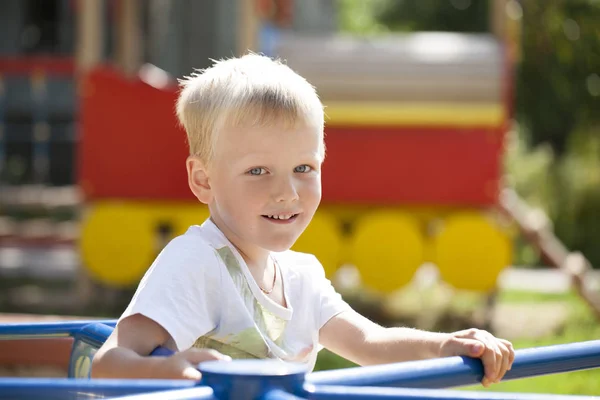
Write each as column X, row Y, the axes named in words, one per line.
column 282, row 312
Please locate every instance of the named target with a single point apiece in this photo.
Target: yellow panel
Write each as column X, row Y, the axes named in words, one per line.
column 180, row 215
column 322, row 238
column 188, row 215
column 118, row 242
column 471, row 251
column 419, row 114
column 387, row 248
column 353, row 212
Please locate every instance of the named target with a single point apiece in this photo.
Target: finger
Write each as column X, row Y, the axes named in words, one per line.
column 486, row 382
column 505, row 361
column 191, row 373
column 462, row 347
column 470, row 333
column 217, row 355
column 492, row 347
column 511, row 352
column 490, row 359
column 508, row 356
column 472, row 348
column 195, row 356
column 489, row 362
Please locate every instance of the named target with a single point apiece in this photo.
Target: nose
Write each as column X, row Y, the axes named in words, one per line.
column 285, row 190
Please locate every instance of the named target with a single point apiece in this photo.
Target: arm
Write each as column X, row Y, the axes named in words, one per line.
column 125, row 354
column 122, row 355
column 174, row 303
column 358, row 339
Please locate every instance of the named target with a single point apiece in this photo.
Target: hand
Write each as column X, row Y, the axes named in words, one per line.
column 497, row 355
column 183, row 365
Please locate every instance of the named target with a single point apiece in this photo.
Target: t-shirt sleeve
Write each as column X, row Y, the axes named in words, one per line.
column 180, row 290
column 329, row 301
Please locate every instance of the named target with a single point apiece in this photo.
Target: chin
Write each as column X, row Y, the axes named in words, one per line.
column 280, row 246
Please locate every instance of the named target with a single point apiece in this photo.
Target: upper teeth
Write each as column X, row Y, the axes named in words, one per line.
column 284, row 216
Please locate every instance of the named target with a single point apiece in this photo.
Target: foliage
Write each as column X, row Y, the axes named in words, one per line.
column 359, row 17
column 567, row 188
column 435, row 15
column 576, row 214
column 558, row 89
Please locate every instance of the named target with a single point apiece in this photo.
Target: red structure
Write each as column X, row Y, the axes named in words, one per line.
column 132, row 148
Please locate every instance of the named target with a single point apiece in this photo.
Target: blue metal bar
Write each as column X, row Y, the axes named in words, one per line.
column 87, row 342
column 88, row 337
column 53, row 388
column 94, row 334
column 46, row 329
column 197, row 393
column 460, row 371
column 372, row 393
column 162, row 351
column 278, row 394
column 251, row 379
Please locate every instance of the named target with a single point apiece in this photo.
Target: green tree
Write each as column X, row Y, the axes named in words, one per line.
column 558, row 78
column 558, row 88
column 434, row 15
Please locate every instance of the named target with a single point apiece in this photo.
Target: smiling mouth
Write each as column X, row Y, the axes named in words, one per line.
column 281, row 217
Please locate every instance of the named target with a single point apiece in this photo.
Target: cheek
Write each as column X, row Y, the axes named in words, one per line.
column 311, row 190
column 249, row 195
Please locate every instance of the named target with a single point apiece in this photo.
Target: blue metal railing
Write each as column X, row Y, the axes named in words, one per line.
column 69, row 388
column 87, row 336
column 370, row 393
column 268, row 379
column 49, row 329
column 461, row 371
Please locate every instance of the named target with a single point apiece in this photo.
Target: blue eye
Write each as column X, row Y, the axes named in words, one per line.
column 256, row 171
column 302, row 169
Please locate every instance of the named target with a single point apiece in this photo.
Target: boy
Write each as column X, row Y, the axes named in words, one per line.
column 231, row 288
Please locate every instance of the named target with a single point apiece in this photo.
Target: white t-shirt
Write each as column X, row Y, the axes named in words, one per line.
column 200, row 290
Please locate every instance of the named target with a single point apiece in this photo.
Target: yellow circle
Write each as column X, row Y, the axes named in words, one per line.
column 387, row 248
column 322, row 238
column 118, row 242
column 471, row 251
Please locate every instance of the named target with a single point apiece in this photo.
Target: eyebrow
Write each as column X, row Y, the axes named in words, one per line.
column 316, row 156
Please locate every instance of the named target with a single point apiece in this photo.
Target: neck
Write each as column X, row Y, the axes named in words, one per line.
column 257, row 259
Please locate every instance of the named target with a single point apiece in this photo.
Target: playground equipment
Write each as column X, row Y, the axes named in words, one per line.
column 536, row 227
column 415, row 133
column 425, row 114
column 268, row 379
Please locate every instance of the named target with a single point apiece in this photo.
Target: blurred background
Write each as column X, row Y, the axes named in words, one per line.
column 462, row 181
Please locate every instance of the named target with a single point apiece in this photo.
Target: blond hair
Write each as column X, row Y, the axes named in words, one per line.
column 252, row 90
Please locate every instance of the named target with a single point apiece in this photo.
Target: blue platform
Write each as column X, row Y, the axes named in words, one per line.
column 268, row 379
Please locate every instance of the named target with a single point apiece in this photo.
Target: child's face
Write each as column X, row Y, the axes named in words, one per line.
column 265, row 184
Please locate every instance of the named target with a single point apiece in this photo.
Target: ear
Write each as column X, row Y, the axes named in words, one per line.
column 198, row 179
